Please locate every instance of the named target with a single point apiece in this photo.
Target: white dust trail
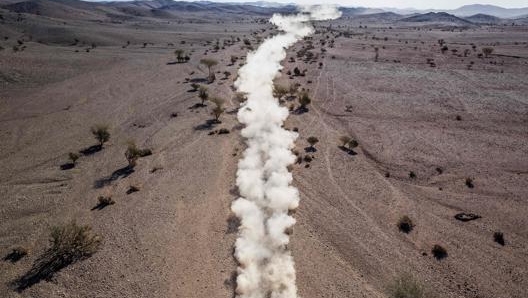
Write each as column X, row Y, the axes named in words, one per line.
column 266, row 267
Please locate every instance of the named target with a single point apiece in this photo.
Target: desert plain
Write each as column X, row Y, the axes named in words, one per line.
column 440, row 131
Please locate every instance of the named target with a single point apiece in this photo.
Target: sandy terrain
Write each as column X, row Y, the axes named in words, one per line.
column 175, row 236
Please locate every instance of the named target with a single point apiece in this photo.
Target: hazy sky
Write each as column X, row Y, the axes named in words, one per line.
column 420, row 4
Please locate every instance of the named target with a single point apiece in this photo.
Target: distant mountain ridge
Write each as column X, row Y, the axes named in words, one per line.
column 92, row 9
column 437, row 17
column 470, row 10
column 463, row 11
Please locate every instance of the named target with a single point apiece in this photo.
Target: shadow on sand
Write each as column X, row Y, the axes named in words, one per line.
column 44, row 268
column 117, row 174
column 347, row 150
column 91, row 150
column 209, row 124
column 67, row 166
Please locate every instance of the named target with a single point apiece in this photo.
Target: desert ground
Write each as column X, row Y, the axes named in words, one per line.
column 445, row 116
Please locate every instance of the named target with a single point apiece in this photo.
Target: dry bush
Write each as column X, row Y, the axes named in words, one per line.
column 405, row 286
column 73, row 157
column 105, row 201
column 179, row 55
column 209, row 63
column 219, row 108
column 312, row 141
column 499, row 238
column 487, row 51
column 405, row 224
column 69, row 243
column 73, row 242
column 279, row 91
column 101, row 134
column 304, row 100
column 439, row 252
column 16, row 254
column 353, row 144
column 203, row 94
column 133, row 153
column 344, row 140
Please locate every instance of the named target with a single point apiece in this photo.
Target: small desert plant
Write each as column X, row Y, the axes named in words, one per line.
column 73, row 157
column 439, row 252
column 344, row 140
column 105, row 201
column 487, row 51
column 101, row 133
column 499, row 238
column 179, row 55
column 405, row 286
column 195, row 87
column 16, row 254
column 312, row 141
column 73, row 242
column 203, row 94
column 469, row 183
column 304, row 100
column 292, row 89
column 412, row 175
column 352, row 144
column 227, row 74
column 279, row 91
column 209, row 63
column 219, row 108
column 405, row 224
column 132, row 154
column 296, row 71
